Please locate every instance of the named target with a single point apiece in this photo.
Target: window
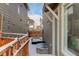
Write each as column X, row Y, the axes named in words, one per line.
column 18, row 9
column 72, row 28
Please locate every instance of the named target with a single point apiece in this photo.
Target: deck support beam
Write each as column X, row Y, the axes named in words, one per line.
column 48, row 17
column 53, row 13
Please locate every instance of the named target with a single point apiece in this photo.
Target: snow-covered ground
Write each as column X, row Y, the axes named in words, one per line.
column 32, row 49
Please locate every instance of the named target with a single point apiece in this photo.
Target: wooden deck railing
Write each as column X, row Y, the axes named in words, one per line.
column 35, row 33
column 15, row 46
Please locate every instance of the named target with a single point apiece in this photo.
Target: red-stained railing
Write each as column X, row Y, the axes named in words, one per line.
column 35, row 33
column 10, row 46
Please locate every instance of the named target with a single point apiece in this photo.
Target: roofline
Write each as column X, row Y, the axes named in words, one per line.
column 26, row 6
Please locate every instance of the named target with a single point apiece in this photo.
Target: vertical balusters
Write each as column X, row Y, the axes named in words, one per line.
column 14, row 47
column 10, row 51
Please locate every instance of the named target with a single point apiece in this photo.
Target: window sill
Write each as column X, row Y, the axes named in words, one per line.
column 67, row 53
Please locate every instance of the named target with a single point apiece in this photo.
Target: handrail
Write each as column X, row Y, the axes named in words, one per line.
column 23, row 37
column 13, row 33
column 8, row 45
column 20, row 48
column 11, row 43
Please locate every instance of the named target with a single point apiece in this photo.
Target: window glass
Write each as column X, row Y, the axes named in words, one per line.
column 73, row 28
column 18, row 9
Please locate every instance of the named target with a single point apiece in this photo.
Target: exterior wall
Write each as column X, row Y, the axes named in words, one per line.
column 12, row 20
column 47, row 26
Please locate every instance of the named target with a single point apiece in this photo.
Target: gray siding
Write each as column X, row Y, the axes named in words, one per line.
column 47, row 33
column 11, row 19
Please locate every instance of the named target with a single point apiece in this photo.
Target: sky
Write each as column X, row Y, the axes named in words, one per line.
column 35, row 12
column 35, row 8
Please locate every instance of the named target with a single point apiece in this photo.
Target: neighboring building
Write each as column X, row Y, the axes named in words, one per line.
column 15, row 17
column 31, row 24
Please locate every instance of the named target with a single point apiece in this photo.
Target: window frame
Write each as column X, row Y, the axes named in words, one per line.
column 64, row 22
